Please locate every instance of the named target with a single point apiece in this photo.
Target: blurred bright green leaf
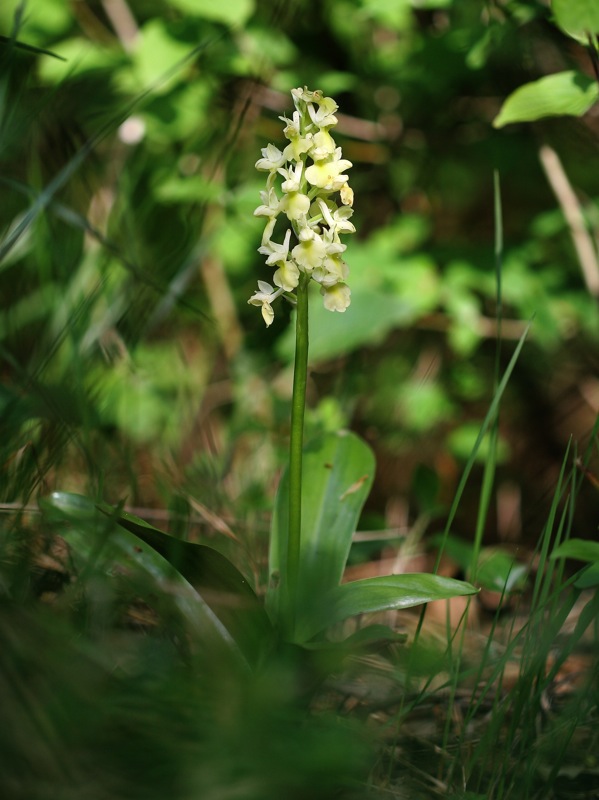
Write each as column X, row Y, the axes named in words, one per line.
column 461, row 442
column 369, row 319
column 569, row 93
column 577, row 17
column 499, row 571
column 82, row 56
column 233, row 12
column 156, row 54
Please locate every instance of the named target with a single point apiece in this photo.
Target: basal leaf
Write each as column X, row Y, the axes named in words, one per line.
column 390, row 592
column 214, row 577
column 337, row 475
column 219, row 593
column 569, row 93
column 99, row 546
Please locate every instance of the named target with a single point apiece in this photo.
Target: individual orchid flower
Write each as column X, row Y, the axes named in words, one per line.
column 305, row 95
column 276, row 252
column 270, row 204
column 327, row 173
column 322, row 146
column 336, row 297
column 337, row 219
column 272, row 158
column 346, row 193
column 333, row 270
column 324, row 116
column 295, row 205
column 264, row 297
column 293, row 177
column 287, row 276
column 310, row 252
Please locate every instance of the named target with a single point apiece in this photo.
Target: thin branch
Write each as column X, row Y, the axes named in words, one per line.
column 570, row 206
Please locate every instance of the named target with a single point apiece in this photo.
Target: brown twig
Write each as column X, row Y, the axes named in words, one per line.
column 570, row 206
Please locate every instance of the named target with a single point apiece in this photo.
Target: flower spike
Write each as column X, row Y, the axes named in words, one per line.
column 304, row 183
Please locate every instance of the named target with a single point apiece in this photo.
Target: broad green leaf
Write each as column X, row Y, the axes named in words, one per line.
column 390, row 592
column 214, row 577
column 96, row 544
column 337, row 475
column 569, row 93
column 577, row 18
column 580, row 549
column 214, row 593
column 234, row 12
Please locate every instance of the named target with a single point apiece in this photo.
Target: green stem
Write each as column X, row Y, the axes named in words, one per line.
column 298, row 407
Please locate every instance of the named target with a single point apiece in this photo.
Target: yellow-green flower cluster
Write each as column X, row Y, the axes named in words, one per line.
column 302, row 182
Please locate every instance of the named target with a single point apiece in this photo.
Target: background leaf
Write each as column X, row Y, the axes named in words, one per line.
column 576, row 17
column 234, row 12
column 569, row 93
column 580, row 549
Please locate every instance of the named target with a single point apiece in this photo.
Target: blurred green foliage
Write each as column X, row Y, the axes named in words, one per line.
column 132, row 365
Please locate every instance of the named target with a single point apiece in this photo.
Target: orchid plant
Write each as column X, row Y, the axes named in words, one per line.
column 307, row 203
column 322, row 493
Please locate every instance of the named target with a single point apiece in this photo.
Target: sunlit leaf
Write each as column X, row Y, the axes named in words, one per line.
column 371, row 316
column 158, row 52
column 569, row 93
column 234, row 12
column 576, row 17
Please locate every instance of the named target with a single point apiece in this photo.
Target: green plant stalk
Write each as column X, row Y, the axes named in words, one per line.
column 298, row 407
